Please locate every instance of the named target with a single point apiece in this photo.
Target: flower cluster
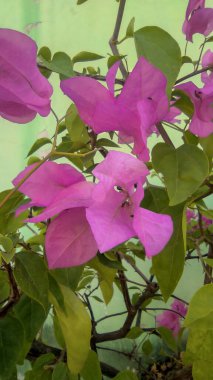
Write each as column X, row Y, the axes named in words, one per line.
column 92, row 217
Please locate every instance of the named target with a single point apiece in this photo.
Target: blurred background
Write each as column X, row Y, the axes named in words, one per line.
column 62, row 25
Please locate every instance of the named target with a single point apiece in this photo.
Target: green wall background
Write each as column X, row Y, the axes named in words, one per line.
column 63, row 26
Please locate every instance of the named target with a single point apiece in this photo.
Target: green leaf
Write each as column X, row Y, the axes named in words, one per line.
column 130, row 28
column 106, row 142
column 209, row 39
column 199, row 321
column 189, row 138
column 207, row 144
column 68, row 277
column 79, row 2
column 168, row 338
column 184, row 169
column 38, row 144
column 31, row 275
column 106, row 277
column 183, row 103
column 45, row 53
column 76, row 328
column 209, row 262
column 147, row 347
column 159, row 48
column 4, row 286
column 61, row 64
column 134, row 333
column 31, row 315
column 169, row 264
column 112, row 59
column 186, row 59
column 11, row 342
column 8, row 249
column 61, row 372
column 8, row 221
column 126, row 375
column 91, row 369
column 75, row 126
column 200, row 305
column 85, row 56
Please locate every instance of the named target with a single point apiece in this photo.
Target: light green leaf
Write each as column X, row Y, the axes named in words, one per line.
column 130, row 28
column 61, row 64
column 209, row 262
column 200, row 305
column 76, row 328
column 91, row 369
column 75, row 126
column 126, row 375
column 169, row 264
column 38, row 144
column 11, row 342
column 159, row 48
column 8, row 221
column 184, row 169
column 106, row 277
column 85, row 56
column 31, row 275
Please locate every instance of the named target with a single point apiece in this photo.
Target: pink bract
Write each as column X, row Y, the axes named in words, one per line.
column 198, row 19
column 207, row 60
column 24, row 92
column 115, row 214
column 202, row 98
column 141, row 104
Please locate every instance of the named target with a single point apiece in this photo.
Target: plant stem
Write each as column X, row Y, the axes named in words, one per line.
column 196, row 72
column 114, row 39
column 164, row 134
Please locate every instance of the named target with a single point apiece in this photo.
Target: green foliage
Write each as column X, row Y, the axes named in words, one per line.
column 75, row 126
column 169, row 264
column 159, row 48
column 184, row 169
column 126, row 375
column 76, row 328
column 199, row 321
column 31, row 275
column 85, row 56
column 91, row 369
column 38, row 144
column 11, row 342
column 8, row 221
column 168, row 338
column 61, row 63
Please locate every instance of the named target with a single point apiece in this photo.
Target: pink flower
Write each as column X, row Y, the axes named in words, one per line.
column 24, row 92
column 202, row 99
column 115, row 214
column 141, row 104
column 93, row 216
column 198, row 19
column 190, row 215
column 62, row 190
column 207, row 60
column 171, row 319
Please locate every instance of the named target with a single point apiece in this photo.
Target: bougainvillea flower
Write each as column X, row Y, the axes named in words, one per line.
column 141, row 104
column 63, row 191
column 115, row 214
column 202, row 99
column 172, row 319
column 207, row 60
column 198, row 19
column 24, row 92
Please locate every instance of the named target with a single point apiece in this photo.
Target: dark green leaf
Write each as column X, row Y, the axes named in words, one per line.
column 130, row 28
column 4, row 286
column 168, row 338
column 61, row 372
column 85, row 56
column 38, row 144
column 159, row 48
column 169, row 264
column 91, row 369
column 147, row 347
column 31, row 275
column 134, row 333
column 68, row 277
column 11, row 342
column 106, row 142
column 75, row 126
column 126, row 375
column 186, row 59
column 45, row 53
column 8, row 221
column 79, row 2
column 184, row 169
column 183, row 103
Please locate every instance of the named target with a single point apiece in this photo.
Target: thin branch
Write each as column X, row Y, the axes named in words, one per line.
column 197, row 72
column 130, row 262
column 124, row 287
column 14, row 292
column 164, row 134
column 114, row 39
column 163, row 308
column 208, row 275
column 110, row 316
